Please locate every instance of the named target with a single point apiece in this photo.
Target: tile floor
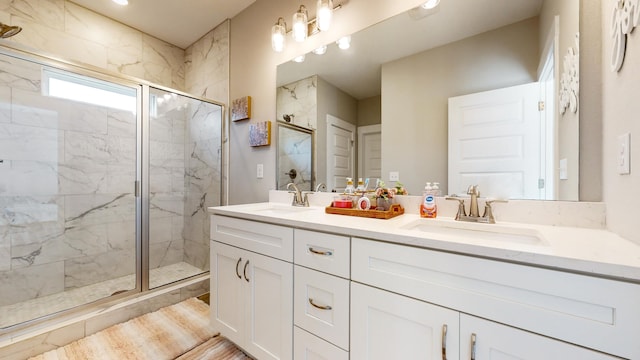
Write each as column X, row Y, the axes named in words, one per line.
column 31, row 309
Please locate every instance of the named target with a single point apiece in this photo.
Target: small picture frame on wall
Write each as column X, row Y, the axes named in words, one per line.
column 241, row 108
column 260, row 134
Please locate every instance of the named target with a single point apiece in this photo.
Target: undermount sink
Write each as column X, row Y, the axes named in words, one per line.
column 280, row 209
column 478, row 232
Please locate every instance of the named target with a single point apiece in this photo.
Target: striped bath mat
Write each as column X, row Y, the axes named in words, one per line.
column 177, row 331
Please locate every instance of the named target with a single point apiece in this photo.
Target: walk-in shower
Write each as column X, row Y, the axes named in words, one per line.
column 104, row 184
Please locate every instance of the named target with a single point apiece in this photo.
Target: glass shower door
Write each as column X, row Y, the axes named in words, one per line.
column 68, row 164
column 184, row 179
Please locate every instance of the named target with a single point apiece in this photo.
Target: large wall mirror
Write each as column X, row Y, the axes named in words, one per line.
column 462, row 94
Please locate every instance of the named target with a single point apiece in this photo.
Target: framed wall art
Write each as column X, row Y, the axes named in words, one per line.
column 241, row 108
column 260, row 134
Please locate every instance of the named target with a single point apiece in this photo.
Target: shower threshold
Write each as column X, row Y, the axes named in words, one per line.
column 32, row 309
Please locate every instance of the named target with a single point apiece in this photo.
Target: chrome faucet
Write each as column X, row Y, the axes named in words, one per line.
column 474, row 215
column 475, row 194
column 299, row 198
column 321, row 186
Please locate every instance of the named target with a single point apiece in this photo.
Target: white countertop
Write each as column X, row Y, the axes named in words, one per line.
column 584, row 250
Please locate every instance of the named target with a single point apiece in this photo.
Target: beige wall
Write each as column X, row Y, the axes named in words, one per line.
column 620, row 114
column 370, row 111
column 415, row 92
column 253, row 72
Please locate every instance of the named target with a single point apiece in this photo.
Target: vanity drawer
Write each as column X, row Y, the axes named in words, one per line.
column 308, row 346
column 324, row 252
column 321, row 305
column 593, row 312
column 266, row 239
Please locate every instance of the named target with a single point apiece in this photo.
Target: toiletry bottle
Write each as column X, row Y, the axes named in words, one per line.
column 428, row 208
column 349, row 190
column 360, row 188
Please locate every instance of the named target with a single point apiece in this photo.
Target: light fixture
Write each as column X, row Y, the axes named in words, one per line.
column 278, row 34
column 121, row 2
column 300, row 25
column 321, row 50
column 299, row 58
column 344, row 42
column 324, row 14
column 430, row 4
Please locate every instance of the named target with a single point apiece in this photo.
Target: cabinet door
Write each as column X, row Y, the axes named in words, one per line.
column 485, row 340
column 227, row 291
column 269, row 317
column 390, row 326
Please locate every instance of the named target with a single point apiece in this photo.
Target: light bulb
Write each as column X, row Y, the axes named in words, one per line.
column 299, row 24
column 430, row 4
column 324, row 14
column 344, row 42
column 299, row 58
column 321, row 50
column 121, row 2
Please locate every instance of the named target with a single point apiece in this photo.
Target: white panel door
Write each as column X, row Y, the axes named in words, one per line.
column 488, row 340
column 494, row 142
column 386, row 326
column 370, row 151
column 340, row 152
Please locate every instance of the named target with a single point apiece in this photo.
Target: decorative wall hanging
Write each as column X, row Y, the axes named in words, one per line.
column 241, row 108
column 570, row 79
column 260, row 134
column 626, row 14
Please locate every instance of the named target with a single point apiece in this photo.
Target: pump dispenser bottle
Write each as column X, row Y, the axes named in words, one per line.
column 428, row 208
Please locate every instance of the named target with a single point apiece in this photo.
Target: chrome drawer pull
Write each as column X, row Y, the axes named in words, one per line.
column 327, row 307
column 237, row 273
column 473, row 346
column 444, row 342
column 317, row 252
column 245, row 270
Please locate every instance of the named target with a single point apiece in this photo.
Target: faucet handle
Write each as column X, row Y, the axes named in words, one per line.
column 488, row 210
column 461, row 211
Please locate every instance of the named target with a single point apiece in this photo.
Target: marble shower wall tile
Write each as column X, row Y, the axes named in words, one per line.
column 89, row 270
column 207, row 65
column 299, row 98
column 31, row 282
column 69, row 31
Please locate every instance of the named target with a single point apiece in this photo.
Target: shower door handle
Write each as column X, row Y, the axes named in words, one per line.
column 136, row 188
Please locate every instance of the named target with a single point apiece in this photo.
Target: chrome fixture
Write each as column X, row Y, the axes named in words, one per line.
column 301, row 26
column 299, row 198
column 321, row 186
column 7, row 31
column 474, row 215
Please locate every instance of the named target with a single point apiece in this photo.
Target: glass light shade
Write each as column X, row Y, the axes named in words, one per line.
column 278, row 34
column 299, row 24
column 299, row 58
column 324, row 14
column 344, row 42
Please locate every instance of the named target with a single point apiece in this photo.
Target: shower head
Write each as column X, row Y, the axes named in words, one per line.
column 7, row 31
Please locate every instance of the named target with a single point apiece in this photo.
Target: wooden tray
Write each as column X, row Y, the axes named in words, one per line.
column 394, row 210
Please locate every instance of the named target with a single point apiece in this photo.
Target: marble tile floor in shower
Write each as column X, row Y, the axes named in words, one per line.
column 35, row 308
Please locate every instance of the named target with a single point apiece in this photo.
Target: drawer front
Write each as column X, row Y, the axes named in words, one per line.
column 266, row 239
column 321, row 305
column 592, row 312
column 309, row 347
column 324, row 252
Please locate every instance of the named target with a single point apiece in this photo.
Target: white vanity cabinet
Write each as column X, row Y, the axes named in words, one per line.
column 252, row 294
column 321, row 295
column 385, row 326
column 547, row 311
